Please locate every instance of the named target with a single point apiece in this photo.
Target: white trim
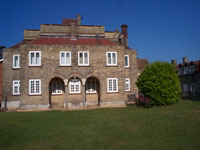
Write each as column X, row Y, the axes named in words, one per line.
column 34, row 59
column 18, row 64
column 112, row 86
column 17, row 85
column 111, row 64
column 65, row 63
column 84, row 64
column 57, row 90
column 34, row 87
column 127, row 84
column 76, row 82
column 125, row 61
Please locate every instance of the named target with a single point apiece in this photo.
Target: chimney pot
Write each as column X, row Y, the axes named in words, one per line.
column 185, row 59
column 78, row 18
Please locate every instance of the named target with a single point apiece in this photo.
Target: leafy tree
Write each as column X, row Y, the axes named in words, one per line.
column 159, row 82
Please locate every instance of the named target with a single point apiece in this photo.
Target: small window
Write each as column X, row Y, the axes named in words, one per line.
column 65, row 58
column 83, row 58
column 127, row 84
column 56, row 87
column 193, row 88
column 16, row 87
column 91, row 86
column 185, row 87
column 35, row 87
column 16, row 61
column 74, row 86
column 126, row 61
column 112, row 85
column 111, row 58
column 185, row 70
column 191, row 69
column 34, row 58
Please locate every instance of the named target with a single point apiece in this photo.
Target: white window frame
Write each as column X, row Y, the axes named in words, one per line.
column 74, row 84
column 186, row 70
column 17, row 85
column 112, row 88
column 65, row 54
column 111, row 64
column 127, row 84
column 89, row 86
column 34, row 92
column 125, row 61
column 84, row 64
column 34, row 63
column 193, row 88
column 58, row 90
column 18, row 64
column 180, row 71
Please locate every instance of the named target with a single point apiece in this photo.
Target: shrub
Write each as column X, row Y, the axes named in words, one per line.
column 159, row 82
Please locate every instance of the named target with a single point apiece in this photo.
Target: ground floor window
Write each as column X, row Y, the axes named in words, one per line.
column 91, row 86
column 74, row 86
column 35, row 86
column 193, row 88
column 56, row 87
column 16, row 87
column 127, row 84
column 185, row 87
column 112, row 85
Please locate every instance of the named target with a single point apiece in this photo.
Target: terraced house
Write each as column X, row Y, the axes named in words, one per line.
column 69, row 65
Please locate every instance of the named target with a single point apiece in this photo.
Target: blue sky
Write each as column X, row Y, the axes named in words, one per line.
column 157, row 29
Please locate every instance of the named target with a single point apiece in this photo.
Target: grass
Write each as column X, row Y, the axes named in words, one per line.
column 172, row 128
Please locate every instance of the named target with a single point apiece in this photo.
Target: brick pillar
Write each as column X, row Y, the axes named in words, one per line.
column 66, row 94
column 83, row 92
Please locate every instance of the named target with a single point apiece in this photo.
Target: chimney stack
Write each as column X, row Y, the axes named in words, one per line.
column 78, row 18
column 124, row 31
column 73, row 31
column 174, row 62
column 185, row 59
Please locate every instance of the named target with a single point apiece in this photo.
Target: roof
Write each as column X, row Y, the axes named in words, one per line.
column 21, row 43
column 196, row 63
column 141, row 63
column 68, row 41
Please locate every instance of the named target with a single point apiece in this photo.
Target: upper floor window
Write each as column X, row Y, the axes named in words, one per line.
column 56, row 87
column 126, row 60
column 16, row 61
column 74, row 86
column 127, row 84
column 35, row 86
column 112, row 85
column 180, row 71
column 91, row 86
column 111, row 58
column 65, row 58
column 185, row 70
column 191, row 69
column 16, row 87
column 34, row 58
column 83, row 58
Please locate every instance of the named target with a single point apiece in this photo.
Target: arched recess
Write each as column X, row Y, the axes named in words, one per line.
column 92, row 91
column 56, row 92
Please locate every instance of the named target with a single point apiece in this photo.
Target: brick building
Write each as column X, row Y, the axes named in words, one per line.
column 189, row 75
column 70, row 65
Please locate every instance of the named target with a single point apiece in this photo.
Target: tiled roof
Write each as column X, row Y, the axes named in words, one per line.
column 141, row 63
column 68, row 41
column 21, row 43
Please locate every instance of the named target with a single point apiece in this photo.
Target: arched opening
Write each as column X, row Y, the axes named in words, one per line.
column 92, row 91
column 56, row 92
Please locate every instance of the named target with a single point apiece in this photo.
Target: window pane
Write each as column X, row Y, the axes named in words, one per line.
column 86, row 58
column 110, row 85
column 62, row 58
column 81, row 58
column 114, row 85
column 109, row 58
column 37, row 58
column 16, row 61
column 126, row 60
column 37, row 87
column 67, row 58
column 113, row 58
column 32, row 58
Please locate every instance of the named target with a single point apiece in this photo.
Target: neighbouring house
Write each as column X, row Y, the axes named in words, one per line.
column 70, row 65
column 1, row 71
column 141, row 63
column 189, row 75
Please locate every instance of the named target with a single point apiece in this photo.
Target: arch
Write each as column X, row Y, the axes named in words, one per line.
column 75, row 75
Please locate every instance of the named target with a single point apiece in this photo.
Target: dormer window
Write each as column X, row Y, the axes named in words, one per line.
column 185, row 70
column 191, row 69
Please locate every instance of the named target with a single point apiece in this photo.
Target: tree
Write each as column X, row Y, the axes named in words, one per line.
column 159, row 82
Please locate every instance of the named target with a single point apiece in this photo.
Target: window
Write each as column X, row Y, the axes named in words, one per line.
column 111, row 58
column 56, row 87
column 83, row 58
column 185, row 87
column 112, row 85
column 127, row 84
column 126, row 60
column 185, row 70
column 91, row 86
column 35, row 87
column 74, row 86
column 193, row 88
column 16, row 87
column 34, row 58
column 65, row 58
column 191, row 69
column 180, row 71
column 16, row 61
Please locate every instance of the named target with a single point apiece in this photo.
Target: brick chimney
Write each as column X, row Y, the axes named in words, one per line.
column 73, row 31
column 174, row 62
column 185, row 59
column 78, row 18
column 124, row 31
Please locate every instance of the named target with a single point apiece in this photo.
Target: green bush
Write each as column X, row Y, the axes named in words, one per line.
column 159, row 81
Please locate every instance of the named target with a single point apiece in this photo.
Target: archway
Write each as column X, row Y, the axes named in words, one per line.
column 56, row 92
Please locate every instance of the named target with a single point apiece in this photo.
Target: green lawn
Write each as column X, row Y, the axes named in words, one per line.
column 175, row 127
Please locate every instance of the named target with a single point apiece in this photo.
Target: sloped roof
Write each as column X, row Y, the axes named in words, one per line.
column 68, row 41
column 141, row 63
column 21, row 43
